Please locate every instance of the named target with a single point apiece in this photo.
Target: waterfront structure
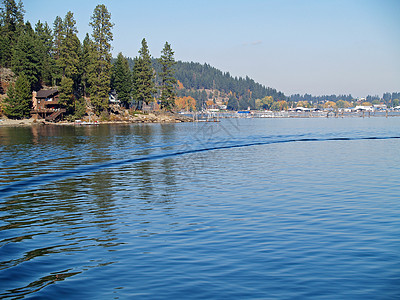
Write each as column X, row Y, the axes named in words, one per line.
column 45, row 105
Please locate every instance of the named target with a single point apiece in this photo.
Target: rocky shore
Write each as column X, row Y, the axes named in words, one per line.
column 131, row 119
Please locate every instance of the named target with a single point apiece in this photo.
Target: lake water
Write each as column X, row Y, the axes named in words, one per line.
column 240, row 209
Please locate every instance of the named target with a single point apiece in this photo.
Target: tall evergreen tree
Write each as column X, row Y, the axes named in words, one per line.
column 68, row 59
column 99, row 79
column 168, row 80
column 134, row 77
column 11, row 21
column 25, row 58
column 67, row 50
column 87, row 63
column 58, row 36
column 44, row 42
column 19, row 99
column 143, row 76
column 66, row 98
column 121, row 80
column 58, row 29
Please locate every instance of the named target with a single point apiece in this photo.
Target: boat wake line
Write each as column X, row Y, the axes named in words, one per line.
column 24, row 185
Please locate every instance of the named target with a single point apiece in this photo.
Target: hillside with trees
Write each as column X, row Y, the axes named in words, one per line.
column 52, row 57
column 46, row 57
column 208, row 86
column 238, row 92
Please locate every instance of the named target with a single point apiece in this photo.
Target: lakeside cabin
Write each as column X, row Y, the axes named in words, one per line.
column 45, row 105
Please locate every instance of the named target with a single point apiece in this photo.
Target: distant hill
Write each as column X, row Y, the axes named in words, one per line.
column 237, row 92
column 206, row 83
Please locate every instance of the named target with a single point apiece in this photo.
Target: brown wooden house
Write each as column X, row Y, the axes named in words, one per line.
column 45, row 105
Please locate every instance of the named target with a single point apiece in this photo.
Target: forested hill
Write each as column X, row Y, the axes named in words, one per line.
column 236, row 92
column 197, row 76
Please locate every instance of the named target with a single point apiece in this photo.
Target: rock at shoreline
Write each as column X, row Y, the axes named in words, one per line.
column 138, row 118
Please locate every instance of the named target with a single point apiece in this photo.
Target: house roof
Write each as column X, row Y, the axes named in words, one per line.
column 46, row 93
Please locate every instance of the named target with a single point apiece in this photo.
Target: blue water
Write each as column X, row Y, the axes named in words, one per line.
column 241, row 209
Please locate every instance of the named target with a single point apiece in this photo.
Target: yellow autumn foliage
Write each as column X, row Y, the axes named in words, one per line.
column 185, row 103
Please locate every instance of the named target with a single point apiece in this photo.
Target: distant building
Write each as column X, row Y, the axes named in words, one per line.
column 301, row 109
column 45, row 99
column 113, row 97
column 380, row 107
column 363, row 108
column 45, row 105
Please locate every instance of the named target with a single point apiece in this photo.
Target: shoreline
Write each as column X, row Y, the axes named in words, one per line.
column 163, row 118
column 138, row 119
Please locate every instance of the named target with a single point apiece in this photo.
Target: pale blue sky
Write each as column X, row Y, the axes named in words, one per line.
column 313, row 46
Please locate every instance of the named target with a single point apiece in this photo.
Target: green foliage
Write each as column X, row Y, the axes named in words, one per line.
column 121, row 80
column 67, row 52
column 104, row 116
column 342, row 104
column 11, row 20
column 69, row 47
column 319, row 99
column 275, row 106
column 44, row 42
column 242, row 91
column 99, row 76
column 66, row 97
column 102, row 34
column 168, row 81
column 143, row 76
column 58, row 34
column 26, row 56
column 233, row 103
column 376, row 102
column 18, row 102
column 80, row 108
column 87, row 64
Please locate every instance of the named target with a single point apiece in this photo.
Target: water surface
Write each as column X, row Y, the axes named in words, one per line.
column 241, row 209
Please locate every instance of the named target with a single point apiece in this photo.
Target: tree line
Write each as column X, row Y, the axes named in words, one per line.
column 195, row 78
column 83, row 72
column 389, row 99
column 241, row 92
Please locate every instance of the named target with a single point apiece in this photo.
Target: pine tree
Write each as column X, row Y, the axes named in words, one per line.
column 134, row 77
column 168, row 80
column 87, row 63
column 143, row 76
column 99, row 79
column 121, row 80
column 26, row 56
column 66, row 97
column 44, row 40
column 58, row 28
column 11, row 20
column 80, row 108
column 68, row 60
column 67, row 50
column 19, row 98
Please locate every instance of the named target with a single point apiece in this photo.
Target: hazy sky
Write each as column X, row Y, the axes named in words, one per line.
column 296, row 46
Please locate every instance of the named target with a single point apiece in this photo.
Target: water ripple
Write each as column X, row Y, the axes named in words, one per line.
column 153, row 212
column 24, row 185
